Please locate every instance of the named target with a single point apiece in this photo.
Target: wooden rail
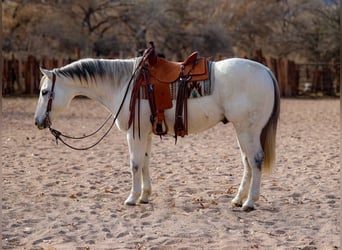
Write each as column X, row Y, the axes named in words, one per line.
column 22, row 77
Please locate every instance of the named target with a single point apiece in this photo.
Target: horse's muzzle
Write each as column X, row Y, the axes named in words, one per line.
column 43, row 124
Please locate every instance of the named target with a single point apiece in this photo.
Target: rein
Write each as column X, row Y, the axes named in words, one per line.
column 58, row 135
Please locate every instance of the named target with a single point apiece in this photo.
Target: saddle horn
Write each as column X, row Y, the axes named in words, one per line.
column 152, row 55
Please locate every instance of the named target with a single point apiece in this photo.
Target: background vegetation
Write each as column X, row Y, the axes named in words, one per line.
column 302, row 30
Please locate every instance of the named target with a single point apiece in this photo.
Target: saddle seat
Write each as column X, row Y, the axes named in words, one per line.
column 164, row 71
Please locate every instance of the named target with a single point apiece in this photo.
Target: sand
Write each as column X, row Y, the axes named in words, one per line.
column 57, row 198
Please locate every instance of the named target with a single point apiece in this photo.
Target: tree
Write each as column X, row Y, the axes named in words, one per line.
column 298, row 29
column 301, row 29
column 22, row 25
column 94, row 19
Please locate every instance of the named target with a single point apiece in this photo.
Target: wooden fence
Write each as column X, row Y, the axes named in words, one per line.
column 22, row 77
column 311, row 79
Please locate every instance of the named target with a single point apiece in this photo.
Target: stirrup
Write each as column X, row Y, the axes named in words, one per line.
column 159, row 127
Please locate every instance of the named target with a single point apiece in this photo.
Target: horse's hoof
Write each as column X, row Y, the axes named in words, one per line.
column 236, row 203
column 142, row 201
column 247, row 208
column 130, row 202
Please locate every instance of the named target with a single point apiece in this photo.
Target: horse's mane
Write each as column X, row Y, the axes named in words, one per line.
column 86, row 70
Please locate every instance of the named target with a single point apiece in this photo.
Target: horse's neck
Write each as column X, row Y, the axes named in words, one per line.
column 108, row 90
column 102, row 91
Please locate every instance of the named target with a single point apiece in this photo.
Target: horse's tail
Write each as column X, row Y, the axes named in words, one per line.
column 268, row 133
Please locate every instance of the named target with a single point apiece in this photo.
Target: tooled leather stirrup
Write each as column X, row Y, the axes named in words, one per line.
column 159, row 125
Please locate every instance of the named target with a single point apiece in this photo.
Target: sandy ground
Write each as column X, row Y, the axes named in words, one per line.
column 57, row 198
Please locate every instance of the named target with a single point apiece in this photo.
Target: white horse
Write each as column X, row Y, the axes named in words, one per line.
column 244, row 93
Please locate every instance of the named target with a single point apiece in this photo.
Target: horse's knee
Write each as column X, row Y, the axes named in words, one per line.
column 134, row 167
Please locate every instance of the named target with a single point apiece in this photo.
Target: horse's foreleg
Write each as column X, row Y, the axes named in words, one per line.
column 146, row 184
column 137, row 149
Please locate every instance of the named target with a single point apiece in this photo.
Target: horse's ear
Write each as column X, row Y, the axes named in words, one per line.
column 46, row 72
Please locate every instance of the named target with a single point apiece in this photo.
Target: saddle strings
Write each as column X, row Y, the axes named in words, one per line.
column 57, row 134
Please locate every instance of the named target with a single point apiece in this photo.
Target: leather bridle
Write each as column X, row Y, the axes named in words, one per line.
column 51, row 97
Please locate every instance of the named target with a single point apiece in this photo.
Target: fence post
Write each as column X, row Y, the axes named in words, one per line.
column 273, row 67
column 29, row 81
column 280, row 76
column 15, row 76
column 77, row 53
column 337, row 77
column 316, row 82
column 4, row 75
column 293, row 80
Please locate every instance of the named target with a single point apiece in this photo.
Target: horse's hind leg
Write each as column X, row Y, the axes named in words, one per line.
column 245, row 182
column 253, row 156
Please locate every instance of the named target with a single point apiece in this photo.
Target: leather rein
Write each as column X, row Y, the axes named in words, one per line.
column 58, row 135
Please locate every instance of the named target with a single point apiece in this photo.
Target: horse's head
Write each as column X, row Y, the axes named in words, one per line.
column 52, row 99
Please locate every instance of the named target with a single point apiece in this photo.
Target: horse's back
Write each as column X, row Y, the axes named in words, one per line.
column 244, row 87
column 242, row 73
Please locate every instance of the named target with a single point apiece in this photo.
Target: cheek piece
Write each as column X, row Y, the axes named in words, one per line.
column 51, row 97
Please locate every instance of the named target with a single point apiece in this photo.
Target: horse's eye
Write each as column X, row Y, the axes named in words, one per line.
column 45, row 92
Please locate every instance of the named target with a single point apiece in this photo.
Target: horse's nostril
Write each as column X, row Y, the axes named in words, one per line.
column 36, row 123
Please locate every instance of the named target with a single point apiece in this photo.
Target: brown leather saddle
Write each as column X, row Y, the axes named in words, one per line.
column 156, row 75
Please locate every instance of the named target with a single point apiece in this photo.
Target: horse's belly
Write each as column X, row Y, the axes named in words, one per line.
column 203, row 113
